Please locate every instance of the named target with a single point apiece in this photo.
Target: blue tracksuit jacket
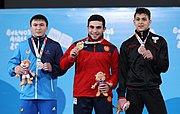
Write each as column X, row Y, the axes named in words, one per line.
column 45, row 83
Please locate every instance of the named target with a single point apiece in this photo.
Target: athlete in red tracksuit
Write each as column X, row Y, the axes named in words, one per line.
column 95, row 55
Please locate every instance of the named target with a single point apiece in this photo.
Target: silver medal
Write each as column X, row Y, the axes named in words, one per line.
column 39, row 64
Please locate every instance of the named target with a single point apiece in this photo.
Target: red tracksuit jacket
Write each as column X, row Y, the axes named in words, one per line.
column 91, row 59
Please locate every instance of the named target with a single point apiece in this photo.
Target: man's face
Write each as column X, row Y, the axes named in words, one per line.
column 141, row 22
column 38, row 28
column 95, row 29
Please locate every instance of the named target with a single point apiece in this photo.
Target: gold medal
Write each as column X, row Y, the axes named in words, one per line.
column 80, row 45
column 141, row 50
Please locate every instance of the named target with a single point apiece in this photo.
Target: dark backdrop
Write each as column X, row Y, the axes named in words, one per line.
column 86, row 3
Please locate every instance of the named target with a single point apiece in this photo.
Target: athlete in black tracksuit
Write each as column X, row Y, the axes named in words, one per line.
column 139, row 76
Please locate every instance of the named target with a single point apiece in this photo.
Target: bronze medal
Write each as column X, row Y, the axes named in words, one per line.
column 141, row 50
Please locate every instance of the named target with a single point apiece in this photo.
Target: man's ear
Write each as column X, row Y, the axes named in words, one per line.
column 133, row 21
column 104, row 28
column 150, row 22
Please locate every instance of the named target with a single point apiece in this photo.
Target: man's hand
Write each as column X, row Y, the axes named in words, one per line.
column 148, row 55
column 103, row 87
column 47, row 67
column 19, row 70
column 74, row 52
column 123, row 105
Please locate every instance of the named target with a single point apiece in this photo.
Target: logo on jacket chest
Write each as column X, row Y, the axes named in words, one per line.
column 106, row 48
column 28, row 52
column 47, row 52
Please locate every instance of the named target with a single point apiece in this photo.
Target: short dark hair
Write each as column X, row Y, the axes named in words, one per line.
column 97, row 17
column 39, row 17
column 142, row 10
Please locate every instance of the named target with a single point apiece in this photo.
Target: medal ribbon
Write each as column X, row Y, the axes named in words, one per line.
column 39, row 55
column 140, row 41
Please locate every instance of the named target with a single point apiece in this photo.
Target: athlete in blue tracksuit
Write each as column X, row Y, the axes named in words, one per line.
column 44, row 55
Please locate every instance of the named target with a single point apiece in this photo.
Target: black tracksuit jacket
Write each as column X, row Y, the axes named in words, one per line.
column 138, row 73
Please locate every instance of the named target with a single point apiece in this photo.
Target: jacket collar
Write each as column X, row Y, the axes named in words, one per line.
column 41, row 39
column 144, row 35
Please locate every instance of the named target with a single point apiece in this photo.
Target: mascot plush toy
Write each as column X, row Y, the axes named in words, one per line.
column 100, row 78
column 124, row 106
column 25, row 64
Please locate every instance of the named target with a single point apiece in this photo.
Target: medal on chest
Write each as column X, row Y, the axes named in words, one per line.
column 141, row 50
column 39, row 64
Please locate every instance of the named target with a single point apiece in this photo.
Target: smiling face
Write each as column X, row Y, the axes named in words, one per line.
column 96, row 29
column 141, row 22
column 38, row 27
